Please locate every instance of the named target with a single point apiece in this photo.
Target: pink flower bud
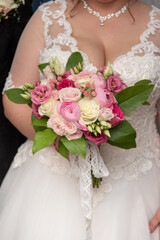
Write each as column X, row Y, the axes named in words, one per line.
column 86, row 93
column 52, row 83
column 92, row 86
column 54, row 80
column 94, row 94
column 6, row 17
column 78, row 86
column 88, row 85
column 59, row 78
column 58, row 83
column 101, row 69
column 5, row 9
column 82, row 89
column 89, row 96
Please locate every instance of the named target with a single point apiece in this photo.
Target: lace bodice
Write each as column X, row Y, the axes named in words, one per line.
column 141, row 62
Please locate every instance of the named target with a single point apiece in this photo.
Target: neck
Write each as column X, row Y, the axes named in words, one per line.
column 106, row 6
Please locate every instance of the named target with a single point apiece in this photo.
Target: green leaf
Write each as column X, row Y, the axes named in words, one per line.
column 143, row 82
column 123, row 135
column 62, row 149
column 73, row 60
column 40, row 122
column 146, row 103
column 42, row 66
column 132, row 97
column 36, row 128
column 77, row 146
column 14, row 96
column 43, row 139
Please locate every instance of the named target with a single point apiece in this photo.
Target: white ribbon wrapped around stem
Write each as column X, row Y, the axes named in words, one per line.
column 82, row 168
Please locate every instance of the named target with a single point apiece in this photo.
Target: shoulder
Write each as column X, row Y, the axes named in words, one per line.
column 53, row 7
column 146, row 9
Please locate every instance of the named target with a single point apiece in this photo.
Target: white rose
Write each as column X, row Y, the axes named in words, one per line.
column 10, row 4
column 89, row 110
column 48, row 108
column 105, row 114
column 69, row 94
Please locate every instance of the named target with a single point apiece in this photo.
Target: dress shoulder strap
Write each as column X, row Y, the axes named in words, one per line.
column 57, row 30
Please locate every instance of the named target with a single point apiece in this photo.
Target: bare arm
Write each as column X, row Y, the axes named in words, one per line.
column 25, row 70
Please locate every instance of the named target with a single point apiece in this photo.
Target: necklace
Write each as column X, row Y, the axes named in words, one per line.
column 107, row 17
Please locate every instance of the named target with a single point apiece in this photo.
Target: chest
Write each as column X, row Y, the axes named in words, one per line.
column 103, row 44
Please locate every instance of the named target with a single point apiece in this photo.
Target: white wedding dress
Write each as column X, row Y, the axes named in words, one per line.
column 40, row 197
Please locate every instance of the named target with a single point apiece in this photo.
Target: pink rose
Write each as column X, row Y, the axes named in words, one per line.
column 57, row 124
column 35, row 111
column 60, row 126
column 101, row 138
column 105, row 98
column 70, row 127
column 55, row 94
column 99, row 80
column 75, row 135
column 69, row 94
column 40, row 94
column 114, row 84
column 70, row 111
column 105, row 114
column 65, row 83
column 118, row 115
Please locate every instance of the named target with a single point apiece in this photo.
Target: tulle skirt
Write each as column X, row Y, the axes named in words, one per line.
column 37, row 203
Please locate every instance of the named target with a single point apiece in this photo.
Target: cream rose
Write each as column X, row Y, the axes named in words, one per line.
column 48, row 108
column 89, row 110
column 83, row 81
column 82, row 78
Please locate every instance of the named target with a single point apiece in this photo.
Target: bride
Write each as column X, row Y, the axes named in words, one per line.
column 39, row 198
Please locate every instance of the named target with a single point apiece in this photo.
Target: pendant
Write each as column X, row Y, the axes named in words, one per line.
column 101, row 24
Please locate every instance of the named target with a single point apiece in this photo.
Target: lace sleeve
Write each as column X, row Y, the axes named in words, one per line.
column 8, row 84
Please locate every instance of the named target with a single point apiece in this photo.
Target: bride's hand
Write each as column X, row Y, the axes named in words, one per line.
column 155, row 221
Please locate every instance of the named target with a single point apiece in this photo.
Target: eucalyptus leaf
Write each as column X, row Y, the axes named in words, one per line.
column 73, row 60
column 131, row 98
column 62, row 149
column 77, row 146
column 123, row 135
column 43, row 139
column 14, row 95
column 42, row 66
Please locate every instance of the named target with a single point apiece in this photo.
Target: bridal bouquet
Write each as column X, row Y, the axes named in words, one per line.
column 71, row 106
column 9, row 8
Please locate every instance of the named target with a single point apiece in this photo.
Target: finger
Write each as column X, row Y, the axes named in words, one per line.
column 155, row 221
